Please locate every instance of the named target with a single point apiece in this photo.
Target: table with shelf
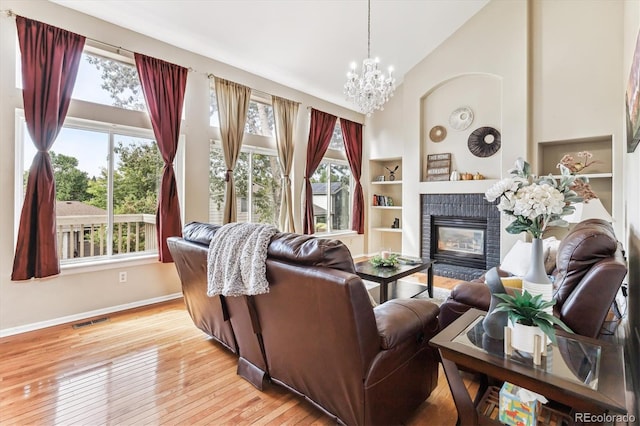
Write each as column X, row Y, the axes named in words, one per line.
column 579, row 372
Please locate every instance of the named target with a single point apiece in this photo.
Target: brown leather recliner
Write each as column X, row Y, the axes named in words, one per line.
column 590, row 268
column 317, row 333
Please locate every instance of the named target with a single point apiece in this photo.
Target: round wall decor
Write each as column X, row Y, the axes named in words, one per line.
column 461, row 118
column 438, row 133
column 484, row 142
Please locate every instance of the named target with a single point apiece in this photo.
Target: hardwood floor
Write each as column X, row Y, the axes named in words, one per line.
column 151, row 366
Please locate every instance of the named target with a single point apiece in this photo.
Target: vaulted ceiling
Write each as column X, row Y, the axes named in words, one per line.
column 304, row 44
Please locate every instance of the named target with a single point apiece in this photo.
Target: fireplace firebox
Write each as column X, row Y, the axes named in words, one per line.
column 459, row 241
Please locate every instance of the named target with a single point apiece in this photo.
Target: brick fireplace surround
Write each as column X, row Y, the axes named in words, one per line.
column 461, row 206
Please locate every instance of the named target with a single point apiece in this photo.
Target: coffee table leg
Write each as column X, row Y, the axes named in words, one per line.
column 384, row 296
column 430, row 281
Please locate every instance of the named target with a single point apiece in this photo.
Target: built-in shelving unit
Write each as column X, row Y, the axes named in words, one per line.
column 600, row 173
column 385, row 205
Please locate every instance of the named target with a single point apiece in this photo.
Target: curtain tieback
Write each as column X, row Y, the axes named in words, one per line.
column 227, row 175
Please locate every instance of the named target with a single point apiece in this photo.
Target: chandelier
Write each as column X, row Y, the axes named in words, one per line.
column 370, row 89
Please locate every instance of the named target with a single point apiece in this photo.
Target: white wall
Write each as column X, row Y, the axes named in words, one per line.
column 43, row 302
column 492, row 43
column 576, row 85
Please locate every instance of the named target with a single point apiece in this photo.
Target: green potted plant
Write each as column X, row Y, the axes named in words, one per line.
column 527, row 311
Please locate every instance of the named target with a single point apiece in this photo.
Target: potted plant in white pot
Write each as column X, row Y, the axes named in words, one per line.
column 529, row 317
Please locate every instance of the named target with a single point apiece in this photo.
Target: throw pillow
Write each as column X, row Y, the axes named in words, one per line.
column 550, row 245
column 518, row 259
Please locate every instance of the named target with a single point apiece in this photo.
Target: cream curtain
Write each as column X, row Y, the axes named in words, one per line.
column 285, row 113
column 233, row 104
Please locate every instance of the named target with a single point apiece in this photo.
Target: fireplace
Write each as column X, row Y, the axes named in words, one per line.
column 459, row 241
column 461, row 232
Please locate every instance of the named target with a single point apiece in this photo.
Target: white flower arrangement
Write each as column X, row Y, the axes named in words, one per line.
column 535, row 203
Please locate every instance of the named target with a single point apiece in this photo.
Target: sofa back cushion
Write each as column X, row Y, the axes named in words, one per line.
column 305, row 250
column 588, row 243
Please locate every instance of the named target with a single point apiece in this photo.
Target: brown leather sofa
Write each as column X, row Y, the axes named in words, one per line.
column 590, row 268
column 316, row 332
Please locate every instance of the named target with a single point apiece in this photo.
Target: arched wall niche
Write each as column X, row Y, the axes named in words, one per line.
column 482, row 93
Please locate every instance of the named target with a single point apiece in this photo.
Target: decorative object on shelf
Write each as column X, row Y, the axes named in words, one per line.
column 396, row 223
column 529, row 316
column 484, row 142
column 385, row 260
column 478, row 176
column 461, row 118
column 380, row 178
column 369, row 90
column 437, row 133
column 495, row 321
column 392, row 173
column 438, row 166
column 535, row 203
column 632, row 98
column 466, row 176
column 455, row 175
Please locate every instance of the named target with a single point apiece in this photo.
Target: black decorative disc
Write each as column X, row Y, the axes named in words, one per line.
column 484, row 142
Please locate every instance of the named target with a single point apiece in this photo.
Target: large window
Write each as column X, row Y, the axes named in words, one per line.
column 257, row 182
column 107, row 182
column 332, row 185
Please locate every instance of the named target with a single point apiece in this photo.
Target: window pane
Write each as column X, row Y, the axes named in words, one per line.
column 336, row 139
column 217, row 184
column 265, row 202
column 340, row 197
column 320, row 198
column 136, row 182
column 260, row 119
column 108, row 82
column 214, row 120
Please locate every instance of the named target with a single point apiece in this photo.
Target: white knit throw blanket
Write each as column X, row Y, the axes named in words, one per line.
column 236, row 261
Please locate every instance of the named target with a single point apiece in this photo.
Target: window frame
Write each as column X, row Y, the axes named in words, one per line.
column 251, row 150
column 94, row 263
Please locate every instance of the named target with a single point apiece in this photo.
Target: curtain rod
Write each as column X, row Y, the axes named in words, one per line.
column 10, row 14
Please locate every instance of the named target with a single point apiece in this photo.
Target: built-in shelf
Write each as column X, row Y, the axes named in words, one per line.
column 381, row 229
column 387, row 182
column 382, row 216
column 588, row 175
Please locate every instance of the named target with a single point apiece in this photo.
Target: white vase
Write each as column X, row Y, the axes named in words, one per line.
column 523, row 337
column 536, row 281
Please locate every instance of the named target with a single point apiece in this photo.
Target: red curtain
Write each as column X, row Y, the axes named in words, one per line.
column 320, row 132
column 50, row 61
column 352, row 135
column 163, row 85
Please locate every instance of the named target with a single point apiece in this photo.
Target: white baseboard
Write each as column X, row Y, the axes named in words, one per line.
column 77, row 317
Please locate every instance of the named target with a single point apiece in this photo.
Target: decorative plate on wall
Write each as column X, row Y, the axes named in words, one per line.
column 484, row 142
column 438, row 133
column 461, row 118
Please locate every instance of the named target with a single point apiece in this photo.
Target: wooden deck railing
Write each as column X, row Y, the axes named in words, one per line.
column 86, row 236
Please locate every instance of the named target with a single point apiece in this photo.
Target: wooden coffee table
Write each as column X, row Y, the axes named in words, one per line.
column 579, row 372
column 385, row 276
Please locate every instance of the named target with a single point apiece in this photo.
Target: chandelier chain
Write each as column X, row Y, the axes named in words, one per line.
column 369, row 29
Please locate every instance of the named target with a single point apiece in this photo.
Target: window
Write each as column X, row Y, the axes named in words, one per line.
column 337, row 142
column 107, row 182
column 260, row 120
column 103, row 78
column 331, row 187
column 257, row 169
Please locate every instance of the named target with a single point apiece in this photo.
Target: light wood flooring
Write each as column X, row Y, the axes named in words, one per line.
column 152, row 366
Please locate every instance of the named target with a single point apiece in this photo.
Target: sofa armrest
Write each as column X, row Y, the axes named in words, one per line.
column 400, row 319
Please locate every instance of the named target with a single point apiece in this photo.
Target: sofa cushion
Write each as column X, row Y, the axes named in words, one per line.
column 198, row 232
column 311, row 251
